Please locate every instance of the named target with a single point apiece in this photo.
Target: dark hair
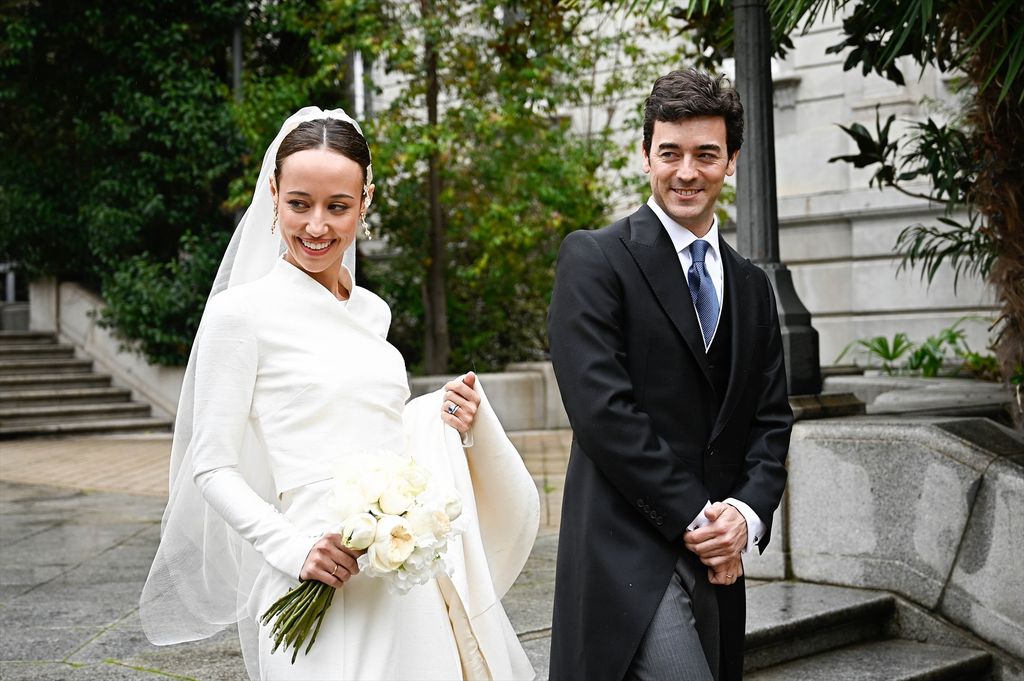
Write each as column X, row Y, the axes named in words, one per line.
column 689, row 93
column 325, row 133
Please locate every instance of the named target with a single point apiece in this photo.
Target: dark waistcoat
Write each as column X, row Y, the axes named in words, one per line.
column 720, row 359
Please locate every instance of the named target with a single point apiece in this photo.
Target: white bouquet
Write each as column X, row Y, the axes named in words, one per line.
column 389, row 507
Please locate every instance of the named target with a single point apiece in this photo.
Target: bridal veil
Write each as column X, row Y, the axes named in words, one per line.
column 203, row 571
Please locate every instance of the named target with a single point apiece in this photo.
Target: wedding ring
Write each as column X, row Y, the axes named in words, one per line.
column 728, row 576
column 452, row 409
column 336, row 566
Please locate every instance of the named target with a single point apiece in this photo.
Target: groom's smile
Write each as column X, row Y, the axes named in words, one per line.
column 688, row 165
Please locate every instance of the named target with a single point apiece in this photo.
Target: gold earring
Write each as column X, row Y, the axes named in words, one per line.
column 273, row 225
column 366, row 228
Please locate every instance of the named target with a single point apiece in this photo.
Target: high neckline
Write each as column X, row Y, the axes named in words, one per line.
column 306, row 281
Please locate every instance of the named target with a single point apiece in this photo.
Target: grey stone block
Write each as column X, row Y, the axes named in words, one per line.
column 14, row 316
column 64, row 671
column 903, row 660
column 530, row 600
column 880, row 504
column 214, row 659
column 788, row 620
column 40, row 638
column 122, row 640
column 60, row 604
column 539, row 652
column 986, row 590
column 914, row 623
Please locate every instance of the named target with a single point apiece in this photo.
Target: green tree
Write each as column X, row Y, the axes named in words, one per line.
column 972, row 162
column 127, row 154
column 117, row 144
column 480, row 174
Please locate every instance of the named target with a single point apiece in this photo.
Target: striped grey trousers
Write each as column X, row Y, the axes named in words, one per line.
column 682, row 641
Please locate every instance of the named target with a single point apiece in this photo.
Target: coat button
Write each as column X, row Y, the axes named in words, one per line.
column 711, row 451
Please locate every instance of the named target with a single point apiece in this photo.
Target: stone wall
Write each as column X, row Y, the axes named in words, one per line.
column 931, row 509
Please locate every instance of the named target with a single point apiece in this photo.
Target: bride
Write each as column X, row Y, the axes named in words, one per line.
column 290, row 371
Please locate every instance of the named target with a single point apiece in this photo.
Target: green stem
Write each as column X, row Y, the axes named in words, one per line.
column 280, row 604
column 300, row 629
column 320, row 620
column 287, row 619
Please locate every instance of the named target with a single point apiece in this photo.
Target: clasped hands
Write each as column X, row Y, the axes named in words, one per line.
column 719, row 543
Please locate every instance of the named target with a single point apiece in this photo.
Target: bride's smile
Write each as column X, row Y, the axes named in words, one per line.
column 320, row 199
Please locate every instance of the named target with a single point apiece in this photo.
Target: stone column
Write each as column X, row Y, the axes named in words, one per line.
column 757, row 209
column 44, row 305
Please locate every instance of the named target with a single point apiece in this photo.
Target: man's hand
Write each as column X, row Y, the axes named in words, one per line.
column 720, row 542
column 727, row 573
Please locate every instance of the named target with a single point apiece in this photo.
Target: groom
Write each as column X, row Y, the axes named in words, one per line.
column 667, row 351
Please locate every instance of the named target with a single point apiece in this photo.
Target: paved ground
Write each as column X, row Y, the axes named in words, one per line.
column 79, row 523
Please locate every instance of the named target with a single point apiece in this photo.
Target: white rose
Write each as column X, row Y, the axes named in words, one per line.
column 416, row 476
column 371, row 483
column 428, row 526
column 347, row 499
column 452, row 505
column 358, row 531
column 392, row 544
column 419, row 561
column 397, row 496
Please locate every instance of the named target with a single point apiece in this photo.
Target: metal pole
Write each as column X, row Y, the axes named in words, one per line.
column 757, row 208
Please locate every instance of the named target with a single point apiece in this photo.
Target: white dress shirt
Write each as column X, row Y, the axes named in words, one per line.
column 681, row 239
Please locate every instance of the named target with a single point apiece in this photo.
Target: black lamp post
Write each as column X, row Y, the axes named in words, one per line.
column 757, row 209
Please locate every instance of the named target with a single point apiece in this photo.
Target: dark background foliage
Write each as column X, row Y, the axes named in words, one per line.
column 127, row 153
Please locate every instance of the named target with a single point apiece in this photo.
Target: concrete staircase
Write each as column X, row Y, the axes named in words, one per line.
column 797, row 631
column 45, row 390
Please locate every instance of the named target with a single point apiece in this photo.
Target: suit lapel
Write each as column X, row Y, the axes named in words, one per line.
column 653, row 252
column 743, row 315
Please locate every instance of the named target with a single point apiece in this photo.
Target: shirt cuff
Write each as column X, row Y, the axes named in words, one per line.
column 755, row 528
column 701, row 520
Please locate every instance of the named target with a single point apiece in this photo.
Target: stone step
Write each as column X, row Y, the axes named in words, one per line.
column 788, row 620
column 48, row 381
column 19, row 337
column 39, row 398
column 149, row 424
column 62, row 413
column 10, row 367
column 891, row 660
column 36, row 350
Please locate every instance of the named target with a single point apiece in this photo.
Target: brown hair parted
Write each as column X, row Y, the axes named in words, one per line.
column 325, row 133
column 689, row 93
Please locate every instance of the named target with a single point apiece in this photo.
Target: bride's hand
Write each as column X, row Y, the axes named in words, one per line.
column 330, row 561
column 462, row 397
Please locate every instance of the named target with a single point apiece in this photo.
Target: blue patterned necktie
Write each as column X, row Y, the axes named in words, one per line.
column 702, row 290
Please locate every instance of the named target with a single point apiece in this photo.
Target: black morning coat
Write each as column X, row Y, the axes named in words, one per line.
column 653, row 439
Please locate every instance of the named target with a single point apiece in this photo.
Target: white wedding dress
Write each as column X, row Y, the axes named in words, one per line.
column 314, row 380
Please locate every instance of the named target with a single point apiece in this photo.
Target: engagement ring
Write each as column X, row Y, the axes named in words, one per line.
column 452, row 409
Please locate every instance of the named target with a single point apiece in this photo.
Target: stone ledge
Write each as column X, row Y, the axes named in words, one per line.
column 929, row 510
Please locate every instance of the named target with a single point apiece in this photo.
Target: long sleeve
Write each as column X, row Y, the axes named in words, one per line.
column 764, row 467
column 226, row 364
column 258, row 522
column 588, row 352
